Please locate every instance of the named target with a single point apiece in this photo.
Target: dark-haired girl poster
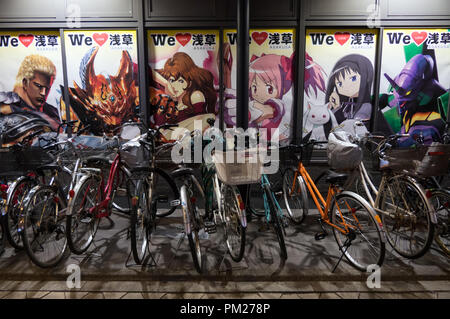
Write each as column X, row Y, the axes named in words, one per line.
column 338, row 84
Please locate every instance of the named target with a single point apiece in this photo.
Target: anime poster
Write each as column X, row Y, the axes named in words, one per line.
column 184, row 77
column 103, row 77
column 270, row 84
column 31, row 77
column 338, row 87
column 415, row 78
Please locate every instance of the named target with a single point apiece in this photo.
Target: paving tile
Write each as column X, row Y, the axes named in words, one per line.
column 348, row 295
column 36, row 294
column 435, row 285
column 16, row 295
column 329, row 295
column 55, row 295
column 443, row 295
column 132, row 295
column 309, row 295
column 269, row 295
column 75, row 294
column 153, row 295
column 289, row 296
column 3, row 294
column 94, row 295
column 114, row 295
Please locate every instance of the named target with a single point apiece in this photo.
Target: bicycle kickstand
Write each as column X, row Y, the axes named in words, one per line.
column 347, row 244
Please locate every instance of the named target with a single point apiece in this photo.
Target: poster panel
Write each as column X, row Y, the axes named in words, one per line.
column 338, row 86
column 414, row 84
column 30, row 83
column 271, row 54
column 102, row 73
column 184, row 77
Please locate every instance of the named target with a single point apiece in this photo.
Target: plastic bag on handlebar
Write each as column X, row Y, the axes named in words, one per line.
column 343, row 155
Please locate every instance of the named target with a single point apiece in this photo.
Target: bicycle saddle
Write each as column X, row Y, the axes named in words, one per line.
column 336, row 178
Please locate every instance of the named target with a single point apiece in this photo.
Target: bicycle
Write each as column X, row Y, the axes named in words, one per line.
column 144, row 201
column 356, row 227
column 407, row 215
column 43, row 211
column 223, row 203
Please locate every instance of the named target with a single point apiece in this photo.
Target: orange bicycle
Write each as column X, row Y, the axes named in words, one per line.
column 356, row 227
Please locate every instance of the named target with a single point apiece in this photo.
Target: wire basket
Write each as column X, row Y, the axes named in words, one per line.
column 238, row 167
column 424, row 161
column 136, row 156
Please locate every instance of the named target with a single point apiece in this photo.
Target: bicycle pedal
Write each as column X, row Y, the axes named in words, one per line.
column 320, row 236
column 175, row 203
column 210, row 227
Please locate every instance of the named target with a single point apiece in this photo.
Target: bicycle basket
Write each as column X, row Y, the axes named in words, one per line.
column 238, row 167
column 135, row 155
column 402, row 159
column 435, row 161
column 342, row 154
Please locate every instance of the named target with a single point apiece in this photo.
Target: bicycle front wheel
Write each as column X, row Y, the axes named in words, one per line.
column 440, row 199
column 82, row 222
column 234, row 227
column 362, row 240
column 276, row 221
column 406, row 215
column 295, row 196
column 16, row 194
column 43, row 228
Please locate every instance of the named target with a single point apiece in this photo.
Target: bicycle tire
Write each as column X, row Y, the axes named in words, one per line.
column 440, row 199
column 120, row 197
column 408, row 193
column 86, row 195
column 235, row 229
column 296, row 200
column 172, row 195
column 16, row 194
column 37, row 222
column 193, row 226
column 368, row 247
column 141, row 221
column 276, row 222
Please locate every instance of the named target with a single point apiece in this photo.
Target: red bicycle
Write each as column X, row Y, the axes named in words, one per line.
column 92, row 198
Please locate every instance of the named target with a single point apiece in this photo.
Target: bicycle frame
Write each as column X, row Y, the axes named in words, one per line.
column 316, row 196
column 265, row 182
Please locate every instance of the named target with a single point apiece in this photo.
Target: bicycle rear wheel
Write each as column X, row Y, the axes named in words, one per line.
column 191, row 221
column 234, row 228
column 440, row 199
column 81, row 222
column 276, row 221
column 406, row 217
column 16, row 194
column 43, row 226
column 363, row 245
column 295, row 196
column 167, row 187
column 142, row 221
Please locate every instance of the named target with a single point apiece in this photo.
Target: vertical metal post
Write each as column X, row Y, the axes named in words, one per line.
column 300, row 75
column 66, row 80
column 376, row 81
column 221, row 86
column 243, row 30
column 143, row 64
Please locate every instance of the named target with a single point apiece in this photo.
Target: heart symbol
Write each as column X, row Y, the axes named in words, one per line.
column 419, row 37
column 259, row 37
column 183, row 38
column 26, row 39
column 100, row 38
column 342, row 37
